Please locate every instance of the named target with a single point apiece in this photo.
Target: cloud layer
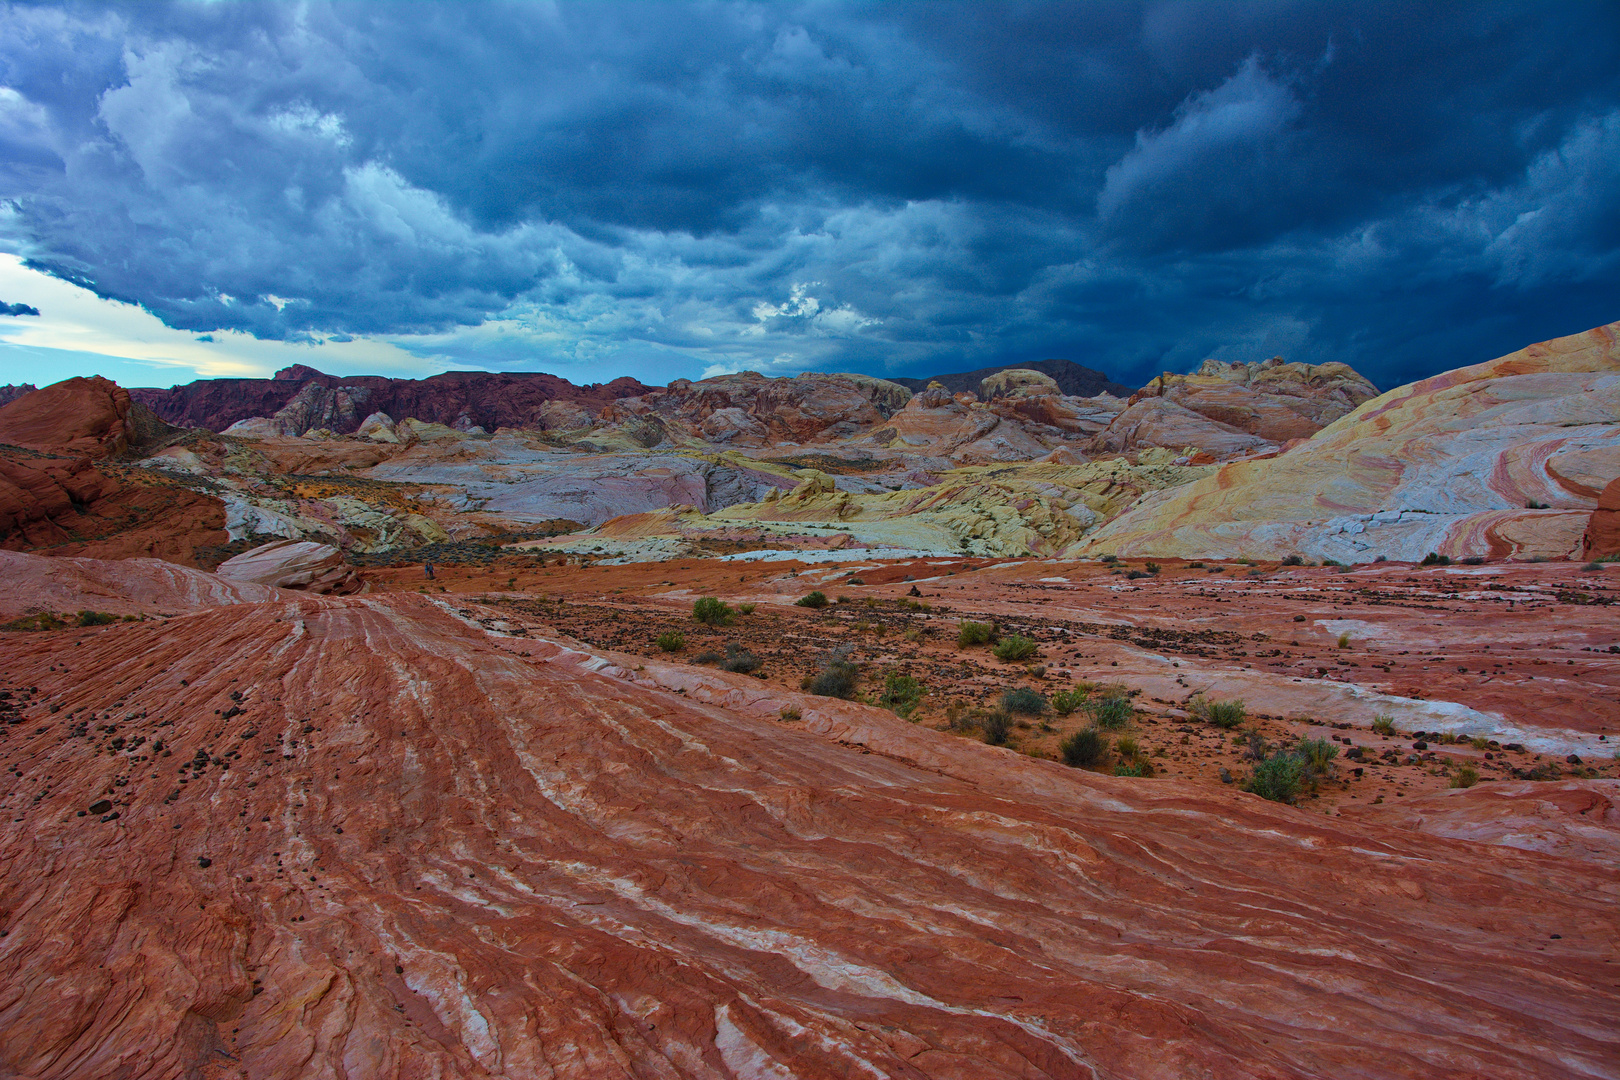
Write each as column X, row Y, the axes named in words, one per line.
column 606, row 188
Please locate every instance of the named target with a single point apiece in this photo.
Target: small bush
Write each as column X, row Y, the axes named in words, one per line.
column 1294, row 560
column 997, row 726
column 1479, row 742
column 854, row 581
column 790, row 712
column 740, row 660
column 43, row 620
column 1110, row 712
column 1467, row 776
column 1277, row 777
column 901, row 693
column 1126, row 746
column 1531, row 504
column 1434, row 559
column 708, row 656
column 1137, row 575
column 1015, row 647
column 1110, row 559
column 1065, row 702
column 974, row 633
column 1084, row 748
column 96, row 618
column 837, row 679
column 1023, row 700
column 1152, row 567
column 1223, row 714
column 713, row 612
column 1195, row 566
column 1134, row 768
column 817, row 599
column 746, row 609
column 1384, row 724
column 671, row 641
column 1344, row 640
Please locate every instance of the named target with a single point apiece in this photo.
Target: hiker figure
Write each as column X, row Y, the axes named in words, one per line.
column 427, row 566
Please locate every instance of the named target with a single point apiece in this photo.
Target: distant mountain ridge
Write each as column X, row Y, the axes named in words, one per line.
column 489, row 399
column 1073, row 379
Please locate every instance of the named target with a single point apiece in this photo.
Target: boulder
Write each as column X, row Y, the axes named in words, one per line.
column 302, row 565
column 1017, row 380
column 378, row 427
column 1602, row 536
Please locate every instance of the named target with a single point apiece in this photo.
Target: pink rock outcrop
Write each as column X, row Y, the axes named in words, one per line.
column 1505, row 458
column 294, row 564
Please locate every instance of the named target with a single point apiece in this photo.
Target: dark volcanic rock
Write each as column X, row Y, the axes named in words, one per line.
column 488, row 399
column 1072, row 379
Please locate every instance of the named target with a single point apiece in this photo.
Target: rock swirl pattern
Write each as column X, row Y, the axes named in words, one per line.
column 372, row 837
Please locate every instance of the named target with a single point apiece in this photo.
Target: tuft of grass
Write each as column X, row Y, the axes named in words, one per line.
column 1479, row 742
column 974, row 633
column 1384, row 724
column 901, row 693
column 1223, row 714
column 713, row 612
column 708, row 656
column 1110, row 712
column 1344, row 640
column 817, row 599
column 1318, row 755
column 671, row 641
column 1084, row 749
column 1023, row 700
column 1015, row 647
column 997, row 726
column 740, row 660
column 746, row 609
column 1126, row 746
column 1467, row 776
column 790, row 712
column 1065, row 702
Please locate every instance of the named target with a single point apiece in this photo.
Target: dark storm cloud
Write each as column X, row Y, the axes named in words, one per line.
column 885, row 188
column 18, row 309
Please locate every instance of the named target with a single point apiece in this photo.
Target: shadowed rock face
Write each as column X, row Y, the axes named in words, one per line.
column 382, row 840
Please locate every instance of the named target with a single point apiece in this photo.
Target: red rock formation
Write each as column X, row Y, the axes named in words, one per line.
column 53, row 494
column 1602, row 535
column 752, row 409
column 381, row 841
column 488, row 399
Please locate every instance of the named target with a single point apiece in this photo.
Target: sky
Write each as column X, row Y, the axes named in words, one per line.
column 670, row 190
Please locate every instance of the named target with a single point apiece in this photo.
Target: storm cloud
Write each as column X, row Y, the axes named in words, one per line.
column 594, row 188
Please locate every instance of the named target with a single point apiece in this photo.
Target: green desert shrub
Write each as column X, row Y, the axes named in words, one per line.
column 1085, row 748
column 901, row 693
column 746, row 609
column 1133, row 768
column 708, row 656
column 1223, row 714
column 974, row 633
column 1278, row 777
column 1434, row 559
column 1344, row 640
column 1467, row 776
column 1384, row 724
column 96, row 618
column 1126, row 746
column 671, row 641
column 1294, row 560
column 817, row 599
column 1015, row 647
column 740, row 660
column 1110, row 711
column 1023, row 700
column 713, row 612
